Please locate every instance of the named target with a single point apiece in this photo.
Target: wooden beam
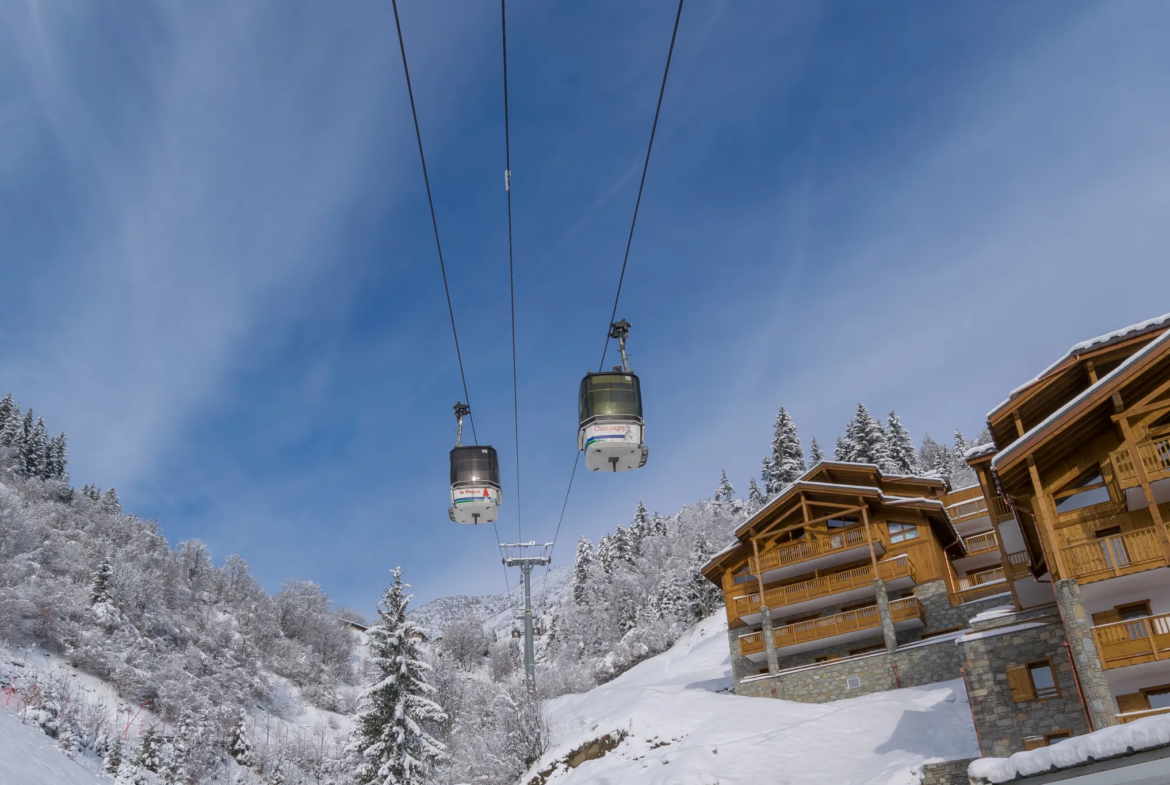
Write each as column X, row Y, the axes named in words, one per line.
column 1092, row 369
column 804, row 506
column 759, row 572
column 804, row 523
column 1019, row 423
column 1046, row 515
column 869, row 538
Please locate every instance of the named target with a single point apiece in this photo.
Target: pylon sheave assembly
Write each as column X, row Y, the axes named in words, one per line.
column 611, row 430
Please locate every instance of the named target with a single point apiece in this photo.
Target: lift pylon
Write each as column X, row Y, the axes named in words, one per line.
column 527, row 555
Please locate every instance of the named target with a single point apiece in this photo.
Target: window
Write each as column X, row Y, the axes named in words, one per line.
column 867, row 649
column 1085, row 491
column 843, row 522
column 856, row 606
column 1043, row 679
column 1047, row 740
column 900, row 532
column 853, row 683
column 1034, row 742
column 936, row 633
column 1057, row 735
column 1034, row 681
column 1160, row 424
column 1135, row 610
column 827, row 658
column 1158, row 698
column 742, row 575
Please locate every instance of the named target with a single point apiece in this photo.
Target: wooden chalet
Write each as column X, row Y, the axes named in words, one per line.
column 1082, row 456
column 848, row 561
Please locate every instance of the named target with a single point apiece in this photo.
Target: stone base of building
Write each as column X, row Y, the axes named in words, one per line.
column 915, row 665
column 953, row 772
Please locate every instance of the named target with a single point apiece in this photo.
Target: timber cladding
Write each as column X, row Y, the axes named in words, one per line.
column 1020, row 684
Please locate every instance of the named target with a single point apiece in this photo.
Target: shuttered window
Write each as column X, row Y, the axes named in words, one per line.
column 1043, row 679
column 1021, row 684
column 1135, row 701
column 1035, row 742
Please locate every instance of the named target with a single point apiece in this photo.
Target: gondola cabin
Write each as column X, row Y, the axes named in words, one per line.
column 475, row 484
column 611, row 428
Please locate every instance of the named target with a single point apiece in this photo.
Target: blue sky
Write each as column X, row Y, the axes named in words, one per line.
column 220, row 279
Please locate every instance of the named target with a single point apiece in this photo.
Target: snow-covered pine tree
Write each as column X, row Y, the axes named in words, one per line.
column 56, row 464
column 641, row 521
column 815, row 454
column 581, row 571
column 177, row 753
column 239, row 747
column 110, row 500
column 756, row 500
column 962, row 475
column 935, row 458
column 724, row 492
column 36, row 449
column 869, row 440
column 101, row 589
column 787, row 454
column 113, row 761
column 768, row 473
column 149, row 751
column 659, row 524
column 843, row 449
column 605, row 553
column 622, row 551
column 391, row 742
column 702, row 595
column 902, row 456
column 129, row 774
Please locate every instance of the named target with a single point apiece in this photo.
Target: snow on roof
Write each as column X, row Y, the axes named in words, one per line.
column 1150, row 348
column 1101, row 341
column 1141, row 734
column 999, row 631
column 979, row 450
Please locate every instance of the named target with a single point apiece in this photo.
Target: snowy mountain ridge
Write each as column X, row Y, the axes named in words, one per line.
column 495, row 611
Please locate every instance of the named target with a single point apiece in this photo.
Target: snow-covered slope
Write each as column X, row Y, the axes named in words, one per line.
column 495, row 611
column 680, row 729
column 29, row 757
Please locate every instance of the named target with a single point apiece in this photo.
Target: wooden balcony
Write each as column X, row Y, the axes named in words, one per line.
column 1133, row 642
column 813, row 553
column 1137, row 715
column 1000, row 509
column 1154, row 455
column 898, row 571
column 971, row 508
column 981, row 543
column 1111, row 557
column 1019, row 565
column 905, row 613
column 982, row 584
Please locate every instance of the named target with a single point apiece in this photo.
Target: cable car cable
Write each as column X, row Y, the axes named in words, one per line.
column 439, row 247
column 642, row 184
column 511, row 276
column 626, row 258
column 434, row 221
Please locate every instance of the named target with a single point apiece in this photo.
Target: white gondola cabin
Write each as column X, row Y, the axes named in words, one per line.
column 475, row 484
column 611, row 428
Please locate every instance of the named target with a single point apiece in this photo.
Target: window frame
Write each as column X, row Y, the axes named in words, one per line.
column 843, row 522
column 1073, row 488
column 904, row 533
column 1055, row 689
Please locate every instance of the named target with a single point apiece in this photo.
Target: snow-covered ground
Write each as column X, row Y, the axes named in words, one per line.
column 681, row 729
column 29, row 757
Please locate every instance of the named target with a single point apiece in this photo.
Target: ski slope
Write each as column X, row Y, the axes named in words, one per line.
column 683, row 731
column 29, row 757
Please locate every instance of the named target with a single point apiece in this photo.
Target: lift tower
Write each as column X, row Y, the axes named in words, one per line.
column 524, row 555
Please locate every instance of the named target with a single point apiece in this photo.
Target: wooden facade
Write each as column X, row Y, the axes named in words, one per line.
column 1083, row 454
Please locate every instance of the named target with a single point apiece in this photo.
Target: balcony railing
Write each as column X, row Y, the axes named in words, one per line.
column 1118, row 554
column 981, row 543
column 980, row 585
column 842, row 623
column 1000, row 509
column 1154, row 455
column 1019, row 565
column 808, row 549
column 1130, row 716
column 1132, row 642
column 968, row 509
column 825, row 586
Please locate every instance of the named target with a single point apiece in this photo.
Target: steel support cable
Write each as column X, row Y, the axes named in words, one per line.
column 642, row 184
column 439, row 246
column 629, row 243
column 511, row 274
column 434, row 221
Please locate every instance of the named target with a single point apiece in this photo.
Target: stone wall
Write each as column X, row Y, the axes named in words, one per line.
column 921, row 664
column 953, row 772
column 1002, row 723
column 741, row 667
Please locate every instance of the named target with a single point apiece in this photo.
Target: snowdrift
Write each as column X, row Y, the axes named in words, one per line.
column 670, row 720
column 29, row 757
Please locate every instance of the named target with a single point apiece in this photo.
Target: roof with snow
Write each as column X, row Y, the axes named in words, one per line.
column 1085, row 347
column 1104, row 388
